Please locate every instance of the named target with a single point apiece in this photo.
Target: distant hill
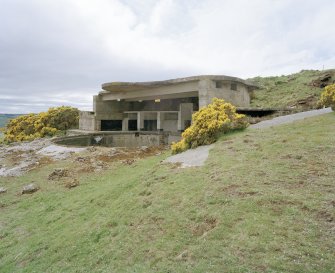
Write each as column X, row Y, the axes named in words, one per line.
column 4, row 118
column 300, row 90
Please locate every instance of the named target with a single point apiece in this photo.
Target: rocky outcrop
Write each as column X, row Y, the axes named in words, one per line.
column 31, row 188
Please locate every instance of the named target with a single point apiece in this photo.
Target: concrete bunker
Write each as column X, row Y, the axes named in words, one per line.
column 160, row 105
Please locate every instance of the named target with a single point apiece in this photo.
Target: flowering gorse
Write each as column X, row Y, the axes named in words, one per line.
column 31, row 126
column 209, row 122
column 327, row 98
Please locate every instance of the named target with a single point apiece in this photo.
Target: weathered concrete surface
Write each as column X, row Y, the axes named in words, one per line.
column 115, row 139
column 126, row 86
column 59, row 152
column 28, row 155
column 191, row 158
column 290, row 118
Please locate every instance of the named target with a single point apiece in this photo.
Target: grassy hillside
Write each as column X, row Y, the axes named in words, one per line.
column 264, row 202
column 295, row 90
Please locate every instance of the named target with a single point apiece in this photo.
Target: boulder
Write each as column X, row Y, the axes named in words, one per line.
column 3, row 190
column 31, row 188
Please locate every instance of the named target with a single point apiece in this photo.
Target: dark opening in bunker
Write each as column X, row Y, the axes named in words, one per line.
column 150, row 125
column 111, row 125
column 132, row 125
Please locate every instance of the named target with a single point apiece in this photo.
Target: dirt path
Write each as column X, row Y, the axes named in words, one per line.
column 197, row 157
column 191, row 158
column 290, row 118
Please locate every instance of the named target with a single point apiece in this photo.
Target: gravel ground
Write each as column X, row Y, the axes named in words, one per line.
column 197, row 157
column 290, row 118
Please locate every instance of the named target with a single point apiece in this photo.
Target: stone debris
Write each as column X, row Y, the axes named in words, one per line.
column 71, row 183
column 128, row 161
column 57, row 174
column 3, row 190
column 19, row 158
column 31, row 188
column 81, row 159
column 92, row 149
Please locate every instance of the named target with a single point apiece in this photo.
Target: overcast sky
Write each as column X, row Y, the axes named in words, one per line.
column 59, row 52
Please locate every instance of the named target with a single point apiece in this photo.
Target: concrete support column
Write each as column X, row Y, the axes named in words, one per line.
column 205, row 87
column 185, row 113
column 98, row 125
column 140, row 121
column 125, row 124
column 179, row 127
column 160, row 118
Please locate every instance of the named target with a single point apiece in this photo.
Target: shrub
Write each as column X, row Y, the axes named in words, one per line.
column 208, row 124
column 50, row 123
column 327, row 98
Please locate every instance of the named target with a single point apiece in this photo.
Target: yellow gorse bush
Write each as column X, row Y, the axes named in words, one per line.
column 31, row 126
column 209, row 122
column 328, row 97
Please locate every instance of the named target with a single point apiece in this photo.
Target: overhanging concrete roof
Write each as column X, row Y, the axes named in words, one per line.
column 134, row 86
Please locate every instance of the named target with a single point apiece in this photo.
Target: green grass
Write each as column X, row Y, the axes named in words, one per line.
column 284, row 91
column 264, row 202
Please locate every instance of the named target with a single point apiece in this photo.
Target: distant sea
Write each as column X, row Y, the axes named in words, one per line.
column 4, row 118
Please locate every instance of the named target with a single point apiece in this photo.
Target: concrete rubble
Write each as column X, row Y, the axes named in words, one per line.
column 19, row 158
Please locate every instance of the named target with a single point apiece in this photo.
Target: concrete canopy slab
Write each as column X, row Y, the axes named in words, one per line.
column 135, row 86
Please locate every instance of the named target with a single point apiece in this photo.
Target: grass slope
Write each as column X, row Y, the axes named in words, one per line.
column 284, row 91
column 264, row 202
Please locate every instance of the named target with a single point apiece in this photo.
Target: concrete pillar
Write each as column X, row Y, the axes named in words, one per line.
column 179, row 122
column 205, row 87
column 125, row 124
column 140, row 121
column 160, row 119
column 98, row 125
column 185, row 113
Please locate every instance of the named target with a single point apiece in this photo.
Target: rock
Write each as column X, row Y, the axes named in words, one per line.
column 322, row 81
column 81, row 159
column 3, row 190
column 72, row 183
column 128, row 161
column 58, row 174
column 182, row 256
column 91, row 149
column 31, row 188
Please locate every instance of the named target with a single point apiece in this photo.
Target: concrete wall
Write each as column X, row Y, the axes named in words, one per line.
column 116, row 140
column 133, row 140
column 208, row 89
column 107, row 110
column 86, row 121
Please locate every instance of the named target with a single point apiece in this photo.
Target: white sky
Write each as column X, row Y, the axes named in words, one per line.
column 60, row 52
